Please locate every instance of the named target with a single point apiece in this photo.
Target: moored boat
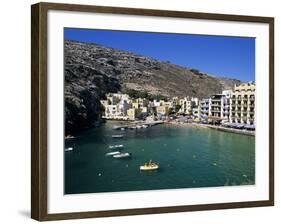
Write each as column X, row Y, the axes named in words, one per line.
column 68, row 149
column 116, row 146
column 149, row 166
column 122, row 155
column 112, row 153
column 117, row 136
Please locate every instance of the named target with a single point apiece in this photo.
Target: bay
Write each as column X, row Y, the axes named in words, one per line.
column 189, row 157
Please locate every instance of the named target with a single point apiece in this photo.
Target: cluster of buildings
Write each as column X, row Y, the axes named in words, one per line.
column 233, row 106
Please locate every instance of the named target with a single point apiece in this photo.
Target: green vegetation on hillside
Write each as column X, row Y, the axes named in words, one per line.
column 144, row 94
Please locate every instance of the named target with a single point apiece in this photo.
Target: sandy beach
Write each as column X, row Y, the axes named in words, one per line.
column 219, row 128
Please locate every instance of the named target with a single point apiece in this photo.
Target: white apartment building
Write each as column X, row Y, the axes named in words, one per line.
column 226, row 104
column 185, row 104
column 195, row 112
column 219, row 105
column 216, row 106
column 204, row 109
column 116, row 106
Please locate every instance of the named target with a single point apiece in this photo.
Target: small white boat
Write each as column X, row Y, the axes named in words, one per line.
column 149, row 166
column 68, row 149
column 112, row 153
column 116, row 146
column 122, row 129
column 117, row 136
column 69, row 137
column 138, row 126
column 145, row 126
column 122, row 155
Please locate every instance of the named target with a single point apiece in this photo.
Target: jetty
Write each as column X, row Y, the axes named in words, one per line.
column 135, row 124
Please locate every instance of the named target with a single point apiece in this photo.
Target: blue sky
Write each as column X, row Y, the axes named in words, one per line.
column 232, row 57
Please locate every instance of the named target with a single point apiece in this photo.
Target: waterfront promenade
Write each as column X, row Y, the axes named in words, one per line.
column 216, row 127
column 232, row 130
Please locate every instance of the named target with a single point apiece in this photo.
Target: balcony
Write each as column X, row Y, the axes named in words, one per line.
column 214, row 110
column 204, row 105
column 216, row 100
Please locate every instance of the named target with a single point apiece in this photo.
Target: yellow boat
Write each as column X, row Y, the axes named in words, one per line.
column 149, row 166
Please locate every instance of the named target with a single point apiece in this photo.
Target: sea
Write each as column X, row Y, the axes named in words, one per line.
column 188, row 157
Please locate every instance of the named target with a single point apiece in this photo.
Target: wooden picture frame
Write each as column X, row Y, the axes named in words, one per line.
column 39, row 106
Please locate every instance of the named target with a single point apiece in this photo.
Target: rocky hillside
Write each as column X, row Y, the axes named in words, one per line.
column 93, row 70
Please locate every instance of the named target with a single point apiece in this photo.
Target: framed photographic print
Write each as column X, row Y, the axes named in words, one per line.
column 139, row 111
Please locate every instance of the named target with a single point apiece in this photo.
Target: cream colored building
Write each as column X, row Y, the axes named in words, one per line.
column 132, row 114
column 144, row 109
column 115, row 98
column 104, row 102
column 175, row 102
column 116, row 106
column 242, row 104
column 168, row 104
column 118, row 111
column 162, row 110
column 185, row 104
column 157, row 103
column 140, row 103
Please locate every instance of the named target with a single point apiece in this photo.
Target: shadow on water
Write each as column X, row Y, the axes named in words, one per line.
column 103, row 134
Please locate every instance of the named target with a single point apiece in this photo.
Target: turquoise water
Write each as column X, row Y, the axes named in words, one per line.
column 189, row 157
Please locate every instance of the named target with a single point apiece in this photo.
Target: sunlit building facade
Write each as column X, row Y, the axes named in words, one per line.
column 242, row 104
